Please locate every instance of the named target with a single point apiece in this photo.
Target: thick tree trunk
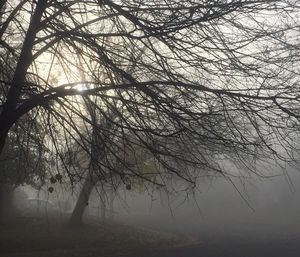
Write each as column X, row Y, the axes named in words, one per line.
column 8, row 115
column 82, row 202
column 2, row 9
column 7, row 210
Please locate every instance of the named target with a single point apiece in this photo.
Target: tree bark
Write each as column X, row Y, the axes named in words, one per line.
column 7, row 210
column 97, row 153
column 2, row 9
column 8, row 115
column 111, row 204
column 102, row 206
column 82, row 202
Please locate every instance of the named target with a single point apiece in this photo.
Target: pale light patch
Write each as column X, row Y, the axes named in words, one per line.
column 80, row 87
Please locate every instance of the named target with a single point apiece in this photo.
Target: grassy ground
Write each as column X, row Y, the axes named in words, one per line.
column 36, row 237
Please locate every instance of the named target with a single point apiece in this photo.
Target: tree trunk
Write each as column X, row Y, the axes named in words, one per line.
column 97, row 153
column 8, row 115
column 2, row 9
column 82, row 202
column 111, row 204
column 7, row 210
column 102, row 207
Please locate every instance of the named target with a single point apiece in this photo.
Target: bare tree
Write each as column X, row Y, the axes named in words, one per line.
column 193, row 82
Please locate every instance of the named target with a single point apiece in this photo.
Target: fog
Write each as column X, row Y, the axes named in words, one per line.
column 253, row 207
column 249, row 214
column 259, row 207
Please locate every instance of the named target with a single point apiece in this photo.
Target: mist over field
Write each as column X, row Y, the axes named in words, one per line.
column 262, row 219
column 264, row 207
column 256, row 206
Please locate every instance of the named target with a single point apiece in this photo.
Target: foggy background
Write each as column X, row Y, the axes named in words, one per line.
column 255, row 207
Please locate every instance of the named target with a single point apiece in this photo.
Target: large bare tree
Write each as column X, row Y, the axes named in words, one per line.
column 194, row 83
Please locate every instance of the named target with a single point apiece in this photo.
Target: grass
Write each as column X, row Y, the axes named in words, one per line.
column 37, row 237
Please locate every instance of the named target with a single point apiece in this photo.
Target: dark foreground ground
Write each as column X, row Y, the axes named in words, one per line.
column 37, row 238
column 233, row 248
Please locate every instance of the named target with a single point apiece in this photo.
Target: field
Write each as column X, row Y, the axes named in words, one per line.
column 39, row 238
column 36, row 237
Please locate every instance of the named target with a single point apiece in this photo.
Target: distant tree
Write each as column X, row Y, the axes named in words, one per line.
column 23, row 160
column 193, row 83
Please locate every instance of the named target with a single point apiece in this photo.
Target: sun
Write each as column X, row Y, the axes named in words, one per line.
column 80, row 87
